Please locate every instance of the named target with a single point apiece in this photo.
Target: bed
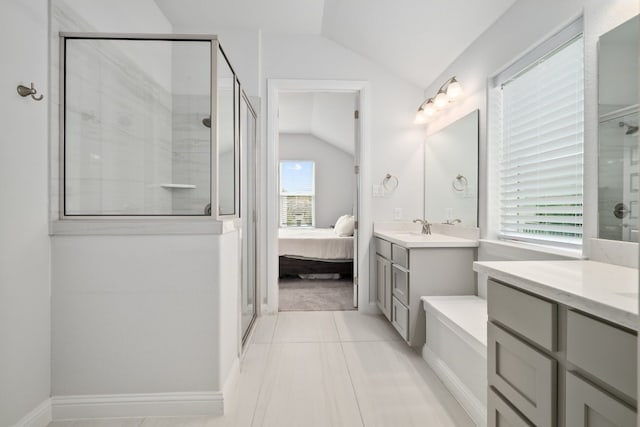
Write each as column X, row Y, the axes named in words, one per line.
column 314, row 251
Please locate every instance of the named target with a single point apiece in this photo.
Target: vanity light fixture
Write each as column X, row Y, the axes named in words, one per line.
column 448, row 92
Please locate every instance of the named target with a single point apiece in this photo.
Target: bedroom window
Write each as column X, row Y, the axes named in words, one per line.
column 539, row 131
column 297, row 193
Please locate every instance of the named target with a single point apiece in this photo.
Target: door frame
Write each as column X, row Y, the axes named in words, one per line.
column 274, row 88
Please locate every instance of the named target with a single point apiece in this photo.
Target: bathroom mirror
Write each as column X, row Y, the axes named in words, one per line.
column 618, row 134
column 451, row 173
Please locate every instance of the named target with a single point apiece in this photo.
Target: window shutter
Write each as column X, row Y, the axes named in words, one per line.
column 541, row 149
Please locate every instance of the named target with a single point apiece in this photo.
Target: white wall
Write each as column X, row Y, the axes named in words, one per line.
column 327, row 115
column 135, row 314
column 333, row 119
column 334, row 174
column 395, row 142
column 522, row 27
column 25, row 366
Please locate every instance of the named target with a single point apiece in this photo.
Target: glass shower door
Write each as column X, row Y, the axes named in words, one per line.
column 249, row 227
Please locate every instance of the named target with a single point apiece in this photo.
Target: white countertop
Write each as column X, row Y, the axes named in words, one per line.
column 604, row 290
column 413, row 239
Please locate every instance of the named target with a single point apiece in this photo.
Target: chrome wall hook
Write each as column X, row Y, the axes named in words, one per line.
column 26, row 91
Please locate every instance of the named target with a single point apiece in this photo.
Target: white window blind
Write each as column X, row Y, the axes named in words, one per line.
column 541, row 149
column 297, row 193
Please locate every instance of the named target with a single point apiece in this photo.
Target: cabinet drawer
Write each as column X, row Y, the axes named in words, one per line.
column 588, row 406
column 400, row 318
column 400, row 255
column 606, row 352
column 501, row 414
column 524, row 376
column 535, row 318
column 400, row 283
column 383, row 248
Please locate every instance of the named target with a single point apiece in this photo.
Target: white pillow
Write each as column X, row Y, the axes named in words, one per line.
column 339, row 220
column 345, row 225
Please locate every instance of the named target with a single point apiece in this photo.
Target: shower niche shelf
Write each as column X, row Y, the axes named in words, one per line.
column 178, row 186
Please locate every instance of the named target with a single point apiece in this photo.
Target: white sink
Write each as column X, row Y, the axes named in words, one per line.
column 417, row 239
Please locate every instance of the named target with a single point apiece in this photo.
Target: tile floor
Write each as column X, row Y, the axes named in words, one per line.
column 324, row 369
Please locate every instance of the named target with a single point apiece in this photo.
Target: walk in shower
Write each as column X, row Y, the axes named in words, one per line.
column 149, row 127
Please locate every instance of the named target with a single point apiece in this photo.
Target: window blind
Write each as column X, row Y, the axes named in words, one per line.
column 297, row 193
column 541, row 149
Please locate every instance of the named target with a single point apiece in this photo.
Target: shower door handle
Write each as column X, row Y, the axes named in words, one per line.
column 620, row 210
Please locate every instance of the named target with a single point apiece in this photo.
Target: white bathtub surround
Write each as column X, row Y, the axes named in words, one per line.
column 456, row 349
column 615, row 252
column 603, row 290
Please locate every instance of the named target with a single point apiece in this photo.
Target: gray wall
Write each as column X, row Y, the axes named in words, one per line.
column 334, row 174
column 25, row 367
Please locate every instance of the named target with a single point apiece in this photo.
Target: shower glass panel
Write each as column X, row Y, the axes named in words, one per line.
column 249, row 202
column 135, row 138
column 227, row 104
column 618, row 178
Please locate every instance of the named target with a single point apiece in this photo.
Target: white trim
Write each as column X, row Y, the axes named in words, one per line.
column 110, row 227
column 476, row 409
column 232, row 379
column 40, row 416
column 274, row 87
column 137, row 405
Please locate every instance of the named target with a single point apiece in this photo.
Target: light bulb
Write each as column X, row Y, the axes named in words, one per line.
column 454, row 89
column 420, row 116
column 429, row 109
column 441, row 100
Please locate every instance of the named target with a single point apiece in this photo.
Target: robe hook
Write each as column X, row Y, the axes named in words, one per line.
column 26, row 91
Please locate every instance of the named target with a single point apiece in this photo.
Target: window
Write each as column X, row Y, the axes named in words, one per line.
column 297, row 193
column 539, row 131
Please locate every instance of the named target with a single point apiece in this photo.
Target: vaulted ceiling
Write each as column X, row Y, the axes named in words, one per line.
column 415, row 39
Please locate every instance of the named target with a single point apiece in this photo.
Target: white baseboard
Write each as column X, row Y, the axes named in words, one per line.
column 231, row 381
column 137, row 405
column 40, row 416
column 371, row 308
column 477, row 410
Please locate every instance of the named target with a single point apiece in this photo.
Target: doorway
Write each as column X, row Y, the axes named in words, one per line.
column 313, row 203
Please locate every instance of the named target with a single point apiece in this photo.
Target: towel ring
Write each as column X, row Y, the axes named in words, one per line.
column 459, row 183
column 390, row 182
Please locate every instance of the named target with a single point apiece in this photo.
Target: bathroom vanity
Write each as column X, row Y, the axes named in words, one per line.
column 562, row 343
column 410, row 264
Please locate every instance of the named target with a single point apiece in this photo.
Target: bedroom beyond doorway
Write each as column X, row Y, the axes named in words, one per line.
column 317, row 200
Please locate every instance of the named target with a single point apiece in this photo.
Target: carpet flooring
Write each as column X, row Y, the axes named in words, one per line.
column 315, row 295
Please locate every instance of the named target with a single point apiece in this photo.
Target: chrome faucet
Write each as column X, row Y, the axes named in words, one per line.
column 426, row 226
column 452, row 221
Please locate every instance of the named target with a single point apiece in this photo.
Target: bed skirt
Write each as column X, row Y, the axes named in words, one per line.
column 293, row 266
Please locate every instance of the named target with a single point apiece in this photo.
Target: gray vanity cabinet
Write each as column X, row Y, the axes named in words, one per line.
column 553, row 366
column 588, row 406
column 500, row 413
column 405, row 274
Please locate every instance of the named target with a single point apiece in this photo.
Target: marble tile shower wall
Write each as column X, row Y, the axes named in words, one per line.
column 191, row 153
column 118, row 134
